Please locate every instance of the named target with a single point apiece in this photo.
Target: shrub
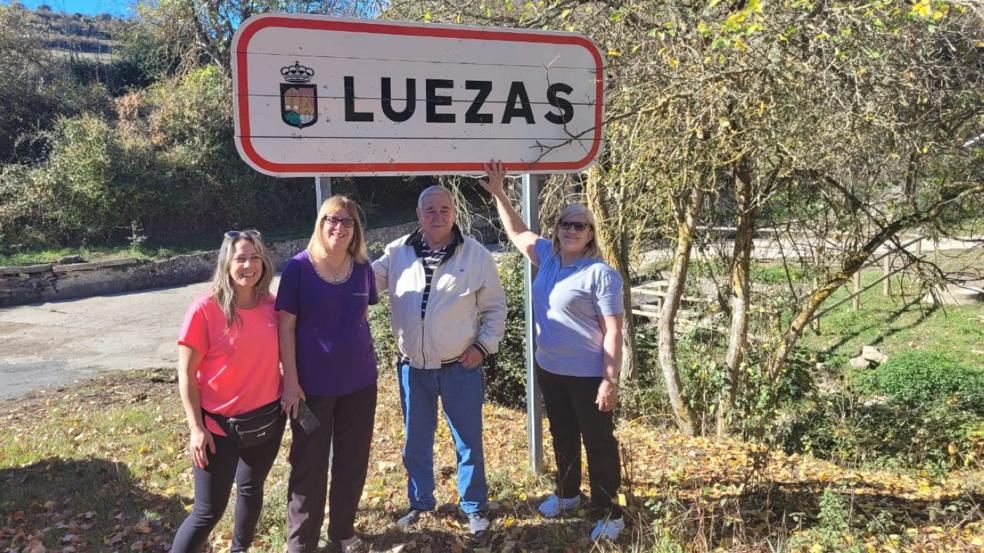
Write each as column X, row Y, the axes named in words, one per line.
column 645, row 395
column 922, row 377
column 70, row 199
column 505, row 381
column 833, row 531
column 167, row 164
column 194, row 109
column 80, row 170
column 382, row 335
column 23, row 203
column 840, row 427
column 842, row 526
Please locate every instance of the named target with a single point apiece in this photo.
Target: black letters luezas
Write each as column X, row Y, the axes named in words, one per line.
column 439, row 102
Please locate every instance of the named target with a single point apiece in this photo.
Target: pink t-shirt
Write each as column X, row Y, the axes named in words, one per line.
column 240, row 368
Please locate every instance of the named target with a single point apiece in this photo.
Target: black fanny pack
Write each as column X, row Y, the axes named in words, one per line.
column 253, row 427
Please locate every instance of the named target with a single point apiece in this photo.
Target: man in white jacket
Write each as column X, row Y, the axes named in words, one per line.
column 449, row 313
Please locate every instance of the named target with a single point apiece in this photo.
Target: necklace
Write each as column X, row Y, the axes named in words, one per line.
column 338, row 274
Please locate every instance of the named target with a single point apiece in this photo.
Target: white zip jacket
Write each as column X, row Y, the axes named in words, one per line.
column 466, row 306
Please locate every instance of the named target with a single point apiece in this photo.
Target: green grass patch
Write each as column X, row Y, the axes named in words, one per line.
column 53, row 255
column 898, row 323
column 776, row 273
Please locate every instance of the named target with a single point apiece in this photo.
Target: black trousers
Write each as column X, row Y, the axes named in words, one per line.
column 341, row 442
column 574, row 417
column 248, row 467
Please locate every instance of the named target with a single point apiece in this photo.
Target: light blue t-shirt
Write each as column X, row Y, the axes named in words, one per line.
column 568, row 303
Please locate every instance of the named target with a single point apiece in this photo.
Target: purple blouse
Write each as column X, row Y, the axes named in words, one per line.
column 334, row 348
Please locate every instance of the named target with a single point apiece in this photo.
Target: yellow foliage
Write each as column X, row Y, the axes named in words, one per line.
column 923, row 8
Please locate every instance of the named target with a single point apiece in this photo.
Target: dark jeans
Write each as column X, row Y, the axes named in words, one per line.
column 248, row 467
column 341, row 443
column 574, row 416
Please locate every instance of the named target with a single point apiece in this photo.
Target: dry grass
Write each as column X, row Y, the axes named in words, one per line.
column 102, row 467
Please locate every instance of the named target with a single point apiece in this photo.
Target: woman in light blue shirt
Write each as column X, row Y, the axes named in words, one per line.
column 577, row 313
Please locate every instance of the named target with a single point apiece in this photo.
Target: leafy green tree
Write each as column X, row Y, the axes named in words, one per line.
column 200, row 32
column 842, row 120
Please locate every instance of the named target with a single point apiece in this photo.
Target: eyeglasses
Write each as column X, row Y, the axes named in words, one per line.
column 249, row 233
column 576, row 225
column 344, row 221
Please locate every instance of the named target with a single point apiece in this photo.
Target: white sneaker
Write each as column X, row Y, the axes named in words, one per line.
column 608, row 528
column 554, row 505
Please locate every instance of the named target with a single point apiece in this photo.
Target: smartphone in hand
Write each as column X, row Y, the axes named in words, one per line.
column 306, row 418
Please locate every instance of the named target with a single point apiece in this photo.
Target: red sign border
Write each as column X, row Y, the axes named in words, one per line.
column 258, row 23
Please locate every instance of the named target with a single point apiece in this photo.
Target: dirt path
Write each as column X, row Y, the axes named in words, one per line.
column 58, row 343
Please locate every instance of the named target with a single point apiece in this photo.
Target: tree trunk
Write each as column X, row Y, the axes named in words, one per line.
column 686, row 226
column 853, row 263
column 822, row 291
column 740, row 295
column 618, row 258
column 802, row 319
column 615, row 241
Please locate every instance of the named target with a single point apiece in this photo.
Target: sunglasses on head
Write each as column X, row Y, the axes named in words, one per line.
column 344, row 221
column 576, row 225
column 249, row 233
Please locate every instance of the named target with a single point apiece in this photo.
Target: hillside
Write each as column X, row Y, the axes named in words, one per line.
column 86, row 35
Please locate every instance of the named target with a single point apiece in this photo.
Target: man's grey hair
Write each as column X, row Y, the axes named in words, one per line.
column 435, row 189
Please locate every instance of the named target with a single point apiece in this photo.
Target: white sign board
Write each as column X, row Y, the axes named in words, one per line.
column 317, row 95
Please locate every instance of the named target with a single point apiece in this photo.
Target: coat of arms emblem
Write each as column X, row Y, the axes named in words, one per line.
column 298, row 98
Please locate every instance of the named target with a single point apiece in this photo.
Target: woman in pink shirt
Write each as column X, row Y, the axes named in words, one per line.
column 230, row 383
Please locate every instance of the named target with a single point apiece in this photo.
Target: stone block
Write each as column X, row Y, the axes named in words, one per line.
column 873, row 354
column 859, row 363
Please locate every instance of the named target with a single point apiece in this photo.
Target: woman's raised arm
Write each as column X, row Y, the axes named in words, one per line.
column 519, row 234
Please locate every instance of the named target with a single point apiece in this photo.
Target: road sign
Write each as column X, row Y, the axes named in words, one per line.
column 316, row 95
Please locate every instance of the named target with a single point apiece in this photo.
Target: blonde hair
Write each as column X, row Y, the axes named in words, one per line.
column 357, row 247
column 223, row 290
column 591, row 249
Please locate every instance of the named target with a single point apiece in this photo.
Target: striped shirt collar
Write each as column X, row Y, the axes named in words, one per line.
column 416, row 241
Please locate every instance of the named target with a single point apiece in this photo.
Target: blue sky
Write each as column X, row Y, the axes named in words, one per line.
column 90, row 7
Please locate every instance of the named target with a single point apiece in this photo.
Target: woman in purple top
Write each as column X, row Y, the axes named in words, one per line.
column 329, row 363
column 577, row 308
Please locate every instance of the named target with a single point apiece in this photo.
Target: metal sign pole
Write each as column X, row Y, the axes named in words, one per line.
column 321, row 193
column 534, row 407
